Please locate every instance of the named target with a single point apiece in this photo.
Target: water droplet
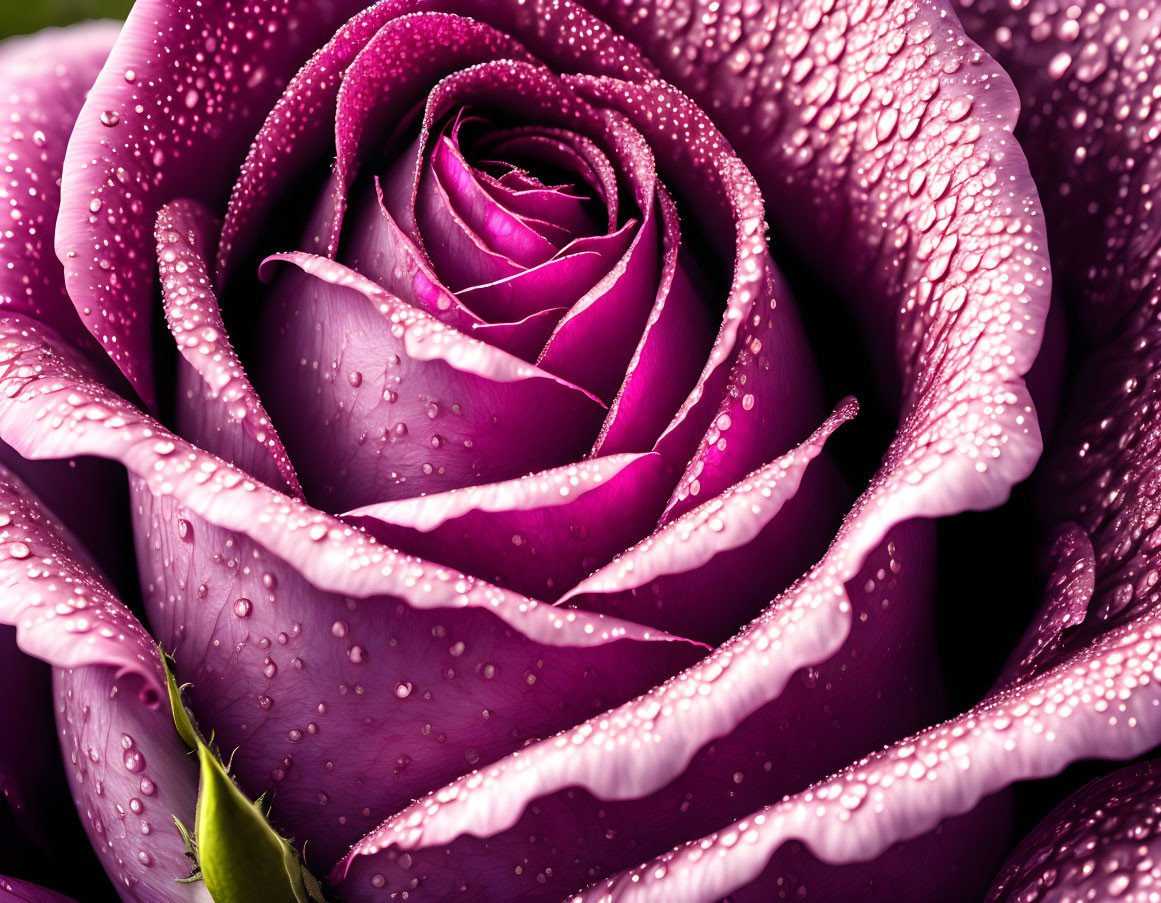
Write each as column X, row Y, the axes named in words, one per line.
column 110, row 118
column 17, row 550
column 242, row 607
column 357, row 654
column 134, row 761
column 184, row 529
column 403, row 689
column 339, row 628
column 265, row 702
column 355, row 378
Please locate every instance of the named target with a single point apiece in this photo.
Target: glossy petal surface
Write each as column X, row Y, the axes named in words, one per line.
column 194, row 73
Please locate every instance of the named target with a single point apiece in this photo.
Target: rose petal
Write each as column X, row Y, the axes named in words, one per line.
column 283, row 148
column 217, row 407
column 409, row 406
column 1099, row 843
column 12, row 890
column 128, row 770
column 1102, row 702
column 535, row 534
column 559, row 282
column 376, row 247
column 392, row 73
column 45, row 78
column 497, row 227
column 668, row 579
column 160, row 63
column 1065, row 605
column 565, row 150
column 237, row 536
column 598, row 809
column 771, row 398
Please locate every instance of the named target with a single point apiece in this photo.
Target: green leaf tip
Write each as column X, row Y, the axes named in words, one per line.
column 242, row 858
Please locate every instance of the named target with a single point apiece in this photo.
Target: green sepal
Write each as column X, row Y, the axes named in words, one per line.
column 181, row 719
column 191, row 853
column 242, row 858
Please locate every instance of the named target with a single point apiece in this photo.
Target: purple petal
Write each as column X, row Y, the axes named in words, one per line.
column 44, row 78
column 395, row 71
column 203, row 523
column 1099, row 844
column 560, row 281
column 1064, row 608
column 12, row 890
column 669, row 579
column 217, row 407
column 498, row 228
column 283, row 148
column 1102, row 702
column 193, row 70
column 536, row 534
column 408, row 405
column 127, row 767
column 894, row 156
column 595, row 803
column 376, row 247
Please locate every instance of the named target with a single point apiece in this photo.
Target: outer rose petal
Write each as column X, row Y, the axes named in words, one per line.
column 13, row 890
column 1100, row 843
column 44, row 80
column 214, row 548
column 1101, row 702
column 192, row 69
column 595, row 809
column 128, row 769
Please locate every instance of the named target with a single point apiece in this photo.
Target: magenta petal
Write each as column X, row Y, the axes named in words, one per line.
column 377, row 247
column 558, row 282
column 566, row 150
column 1099, row 844
column 283, row 147
column 409, row 405
column 217, row 407
column 497, row 227
column 394, row 72
column 127, row 766
column 1102, row 702
column 587, row 793
column 44, row 81
column 12, row 890
column 535, row 534
column 718, row 565
column 460, row 256
column 161, row 63
column 214, row 545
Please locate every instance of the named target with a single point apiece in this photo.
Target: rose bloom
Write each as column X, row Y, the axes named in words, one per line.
column 475, row 365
